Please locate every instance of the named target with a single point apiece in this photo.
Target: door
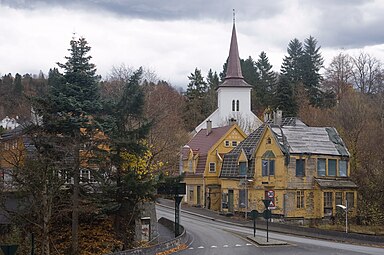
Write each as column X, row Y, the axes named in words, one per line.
column 198, row 199
column 230, row 200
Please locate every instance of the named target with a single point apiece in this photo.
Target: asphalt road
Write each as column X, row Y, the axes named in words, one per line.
column 212, row 237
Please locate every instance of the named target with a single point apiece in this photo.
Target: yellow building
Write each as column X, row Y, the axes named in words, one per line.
column 201, row 160
column 303, row 170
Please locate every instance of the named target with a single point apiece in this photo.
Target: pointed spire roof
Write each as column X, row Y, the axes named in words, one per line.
column 233, row 67
column 234, row 76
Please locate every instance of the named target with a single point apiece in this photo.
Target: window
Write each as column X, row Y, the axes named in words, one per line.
column 269, row 140
column 84, row 175
column 339, row 198
column 331, row 167
column 190, row 165
column 328, row 203
column 300, row 199
column 300, row 167
column 237, row 105
column 321, row 167
column 233, row 105
column 224, row 200
column 226, row 143
column 343, row 166
column 242, row 198
column 267, row 167
column 234, row 143
column 242, row 168
column 328, row 200
column 212, row 167
column 351, row 199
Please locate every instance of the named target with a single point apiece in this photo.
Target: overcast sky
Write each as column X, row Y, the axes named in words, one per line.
column 172, row 37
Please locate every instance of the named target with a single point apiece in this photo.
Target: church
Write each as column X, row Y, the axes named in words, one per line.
column 233, row 96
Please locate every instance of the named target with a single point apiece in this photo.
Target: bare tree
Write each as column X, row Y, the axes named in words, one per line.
column 339, row 74
column 366, row 73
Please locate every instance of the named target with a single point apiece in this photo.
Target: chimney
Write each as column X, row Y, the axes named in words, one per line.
column 209, row 127
column 278, row 117
column 232, row 121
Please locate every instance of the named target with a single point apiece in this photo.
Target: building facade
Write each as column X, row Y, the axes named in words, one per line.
column 303, row 170
column 201, row 161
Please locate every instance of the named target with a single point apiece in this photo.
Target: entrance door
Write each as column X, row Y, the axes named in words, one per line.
column 198, row 202
column 230, row 200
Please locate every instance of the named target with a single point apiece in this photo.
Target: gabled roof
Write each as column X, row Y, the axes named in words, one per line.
column 230, row 165
column 201, row 143
column 293, row 137
column 310, row 140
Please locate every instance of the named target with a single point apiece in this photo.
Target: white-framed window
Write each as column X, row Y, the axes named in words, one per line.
column 234, row 143
column 226, row 143
column 233, row 105
column 212, row 167
column 237, row 105
column 86, row 176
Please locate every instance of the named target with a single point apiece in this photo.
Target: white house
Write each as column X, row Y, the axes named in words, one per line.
column 234, row 96
column 9, row 123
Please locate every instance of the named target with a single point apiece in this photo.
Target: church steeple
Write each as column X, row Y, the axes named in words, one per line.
column 233, row 67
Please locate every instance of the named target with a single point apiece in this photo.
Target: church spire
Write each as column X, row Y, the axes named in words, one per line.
column 233, row 67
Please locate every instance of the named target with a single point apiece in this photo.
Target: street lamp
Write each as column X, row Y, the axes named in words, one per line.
column 345, row 208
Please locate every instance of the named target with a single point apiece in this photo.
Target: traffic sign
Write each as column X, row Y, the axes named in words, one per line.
column 267, row 202
column 271, row 193
column 267, row 214
column 254, row 214
column 271, row 205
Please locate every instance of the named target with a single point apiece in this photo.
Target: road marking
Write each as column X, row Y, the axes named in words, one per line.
column 238, row 245
column 248, row 244
column 200, row 247
column 190, row 248
column 225, row 246
column 213, row 246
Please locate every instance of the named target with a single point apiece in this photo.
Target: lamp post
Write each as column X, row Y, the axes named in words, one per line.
column 345, row 208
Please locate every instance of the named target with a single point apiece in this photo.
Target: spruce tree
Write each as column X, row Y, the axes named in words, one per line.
column 126, row 129
column 312, row 62
column 69, row 111
column 292, row 63
column 284, row 97
column 267, row 81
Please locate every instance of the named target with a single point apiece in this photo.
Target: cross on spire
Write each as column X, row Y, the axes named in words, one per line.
column 234, row 16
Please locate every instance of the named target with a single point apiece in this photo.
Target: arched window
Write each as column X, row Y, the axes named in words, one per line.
column 233, row 105
column 237, row 105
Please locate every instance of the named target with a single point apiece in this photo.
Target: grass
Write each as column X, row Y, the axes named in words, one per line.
column 352, row 228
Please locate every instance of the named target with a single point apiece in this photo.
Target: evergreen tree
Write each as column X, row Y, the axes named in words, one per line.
column 211, row 96
column 312, row 62
column 126, row 129
column 18, row 86
column 196, row 110
column 284, row 98
column 266, row 83
column 68, row 111
column 292, row 64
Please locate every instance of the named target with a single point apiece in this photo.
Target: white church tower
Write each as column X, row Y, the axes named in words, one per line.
column 234, row 96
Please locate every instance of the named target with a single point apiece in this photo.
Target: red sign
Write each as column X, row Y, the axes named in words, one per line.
column 271, row 194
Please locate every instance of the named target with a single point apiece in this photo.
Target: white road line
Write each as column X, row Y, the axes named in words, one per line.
column 248, row 244
column 190, row 248
column 213, row 246
column 225, row 246
column 200, row 247
column 238, row 245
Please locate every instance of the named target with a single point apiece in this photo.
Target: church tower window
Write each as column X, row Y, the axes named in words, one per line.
column 233, row 105
column 237, row 105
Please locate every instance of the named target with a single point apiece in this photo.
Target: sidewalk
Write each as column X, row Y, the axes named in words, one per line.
column 279, row 227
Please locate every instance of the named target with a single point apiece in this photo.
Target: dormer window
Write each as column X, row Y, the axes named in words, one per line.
column 268, row 164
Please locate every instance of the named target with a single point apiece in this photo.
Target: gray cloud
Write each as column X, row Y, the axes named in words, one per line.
column 164, row 10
